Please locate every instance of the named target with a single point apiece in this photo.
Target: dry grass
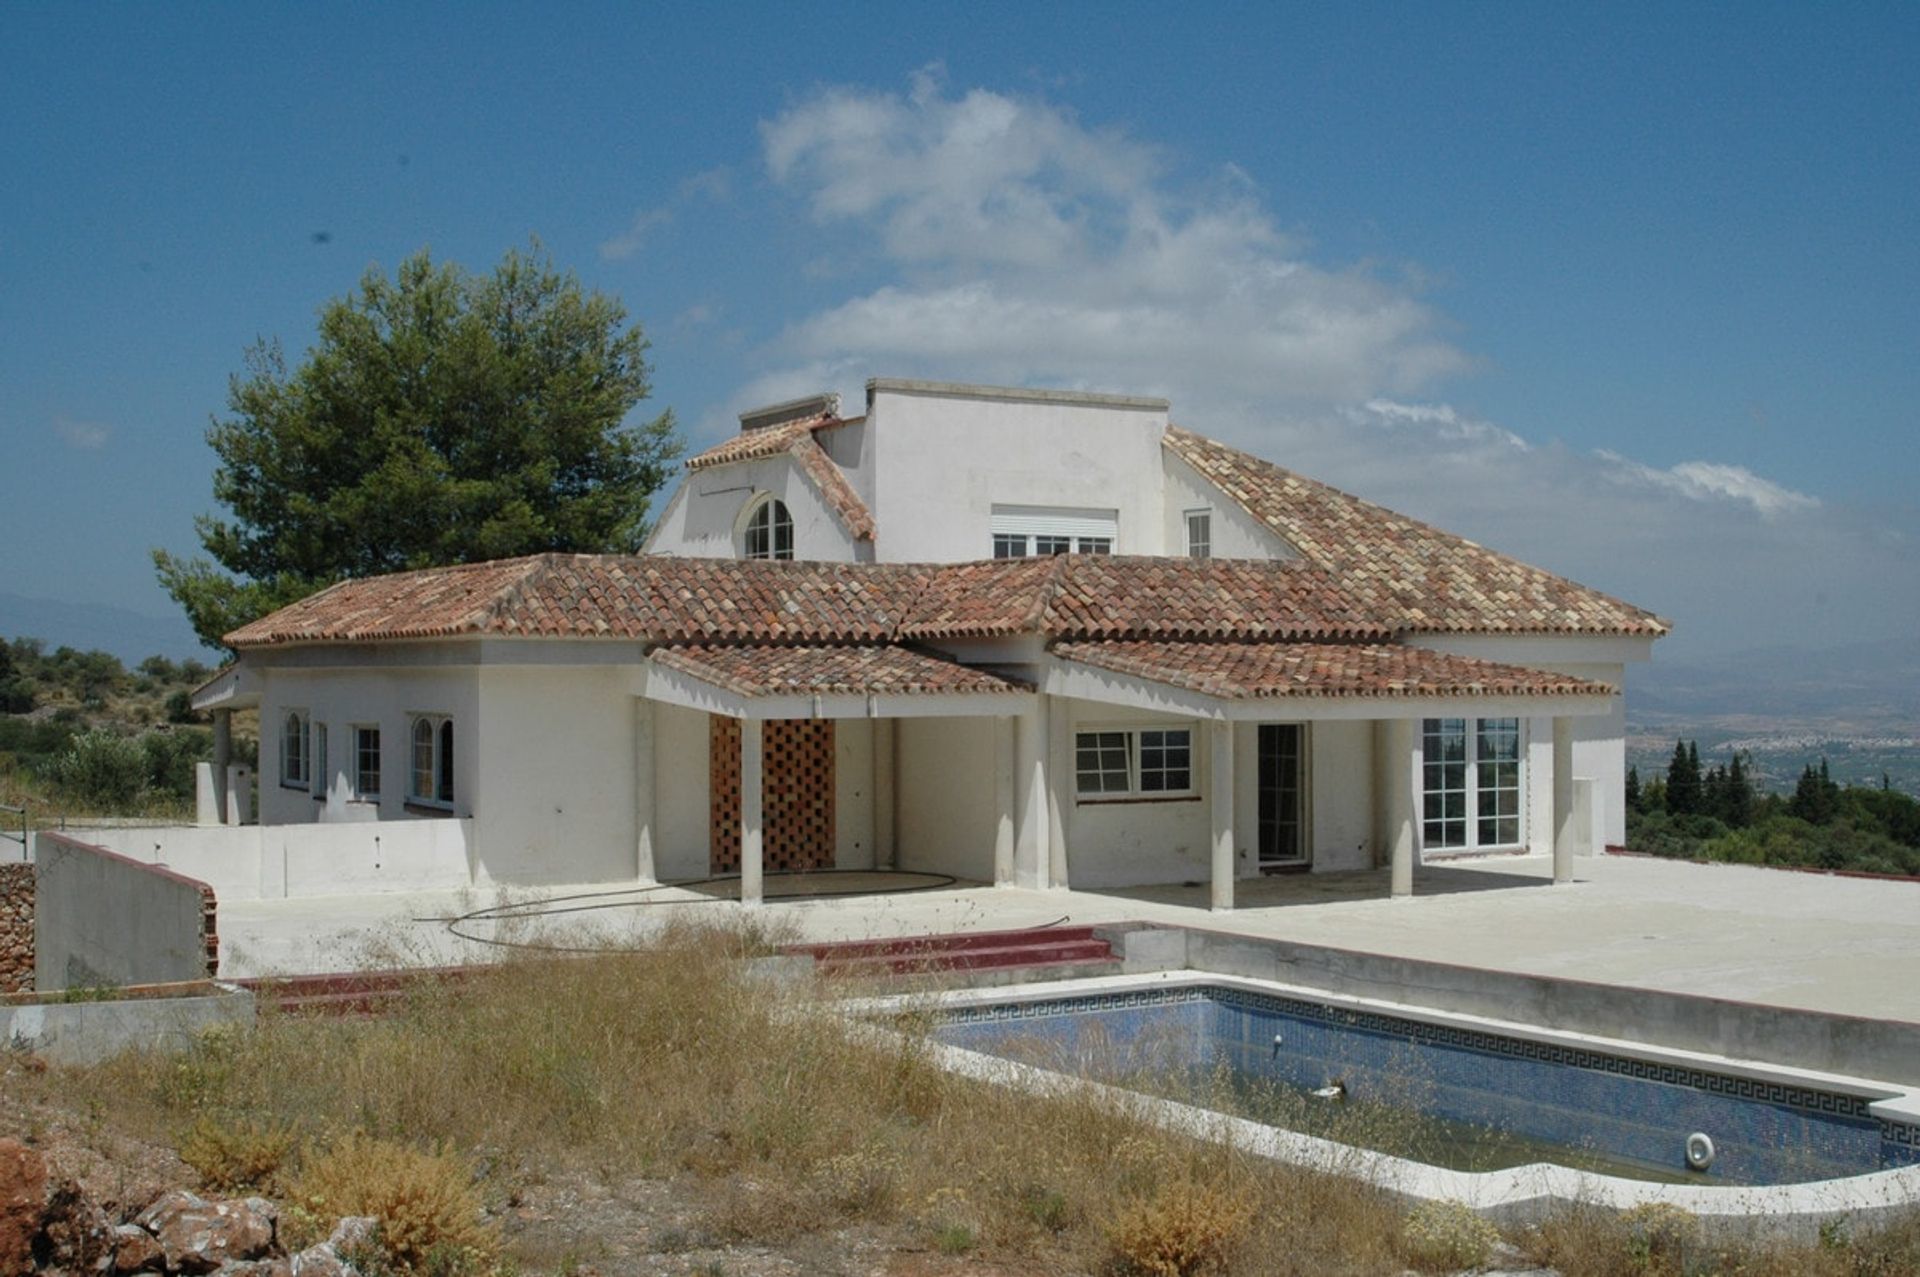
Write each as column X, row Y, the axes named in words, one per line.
column 673, row 1063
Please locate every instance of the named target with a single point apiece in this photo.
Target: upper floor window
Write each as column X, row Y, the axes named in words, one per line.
column 769, row 531
column 1023, row 531
column 1199, row 534
column 430, row 775
column 294, row 769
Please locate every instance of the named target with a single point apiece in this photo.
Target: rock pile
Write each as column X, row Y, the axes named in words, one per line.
column 47, row 1225
column 16, row 926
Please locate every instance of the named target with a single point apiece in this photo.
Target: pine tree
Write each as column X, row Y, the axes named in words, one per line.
column 1739, row 795
column 1683, row 781
column 1633, row 790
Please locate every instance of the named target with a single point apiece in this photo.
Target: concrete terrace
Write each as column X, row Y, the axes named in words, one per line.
column 1776, row 938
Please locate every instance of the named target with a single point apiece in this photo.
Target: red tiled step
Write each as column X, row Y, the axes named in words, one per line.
column 1054, row 948
column 951, row 943
column 342, row 993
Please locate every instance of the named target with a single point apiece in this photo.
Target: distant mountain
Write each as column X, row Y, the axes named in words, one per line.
column 131, row 636
column 1848, row 689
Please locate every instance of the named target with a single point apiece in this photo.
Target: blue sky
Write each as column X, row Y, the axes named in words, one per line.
column 1631, row 293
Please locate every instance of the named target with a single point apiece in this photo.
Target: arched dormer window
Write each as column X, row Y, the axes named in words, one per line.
column 769, row 531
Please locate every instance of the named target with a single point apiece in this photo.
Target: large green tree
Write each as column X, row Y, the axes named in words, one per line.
column 441, row 417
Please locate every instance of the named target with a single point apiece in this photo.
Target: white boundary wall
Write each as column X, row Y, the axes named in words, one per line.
column 268, row 862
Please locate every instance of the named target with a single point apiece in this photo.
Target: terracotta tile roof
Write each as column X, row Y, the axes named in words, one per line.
column 796, row 438
column 1258, row 671
column 654, row 599
column 1401, row 572
column 806, row 671
column 1083, row 596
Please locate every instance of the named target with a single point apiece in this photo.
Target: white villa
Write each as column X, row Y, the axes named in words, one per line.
column 1020, row 637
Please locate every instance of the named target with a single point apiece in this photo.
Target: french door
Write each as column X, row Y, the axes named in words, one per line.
column 1281, row 763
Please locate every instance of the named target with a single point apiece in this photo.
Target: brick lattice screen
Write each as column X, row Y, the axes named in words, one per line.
column 797, row 802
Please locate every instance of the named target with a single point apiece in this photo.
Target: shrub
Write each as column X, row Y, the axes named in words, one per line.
column 170, row 758
column 243, row 1157
column 430, row 1217
column 1184, row 1227
column 1447, row 1236
column 104, row 769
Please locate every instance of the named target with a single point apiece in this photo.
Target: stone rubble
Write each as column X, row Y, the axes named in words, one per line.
column 48, row 1225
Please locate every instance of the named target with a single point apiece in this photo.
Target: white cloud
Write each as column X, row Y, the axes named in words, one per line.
column 87, row 436
column 1028, row 242
column 714, row 185
column 1710, row 481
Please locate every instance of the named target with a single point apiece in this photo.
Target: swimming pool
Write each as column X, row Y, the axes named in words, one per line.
column 1774, row 1128
column 1467, row 1097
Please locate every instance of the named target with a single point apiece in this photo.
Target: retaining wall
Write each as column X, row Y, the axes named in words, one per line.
column 272, row 862
column 1884, row 1050
column 104, row 920
column 16, row 926
column 163, row 1018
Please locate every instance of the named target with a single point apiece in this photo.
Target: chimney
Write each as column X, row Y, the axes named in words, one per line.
column 779, row 414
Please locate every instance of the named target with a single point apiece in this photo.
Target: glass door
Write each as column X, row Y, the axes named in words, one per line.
column 1282, row 811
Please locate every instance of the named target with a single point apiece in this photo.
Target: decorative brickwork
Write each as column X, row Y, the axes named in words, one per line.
column 797, row 794
column 16, row 927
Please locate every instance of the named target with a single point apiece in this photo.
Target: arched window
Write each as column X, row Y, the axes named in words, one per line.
column 769, row 531
column 430, row 768
column 421, row 785
column 293, row 749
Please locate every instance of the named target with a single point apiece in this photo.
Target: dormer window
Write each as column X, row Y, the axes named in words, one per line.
column 769, row 531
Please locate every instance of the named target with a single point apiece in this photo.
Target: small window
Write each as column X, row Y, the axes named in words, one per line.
column 1093, row 545
column 1199, row 534
column 430, row 770
column 293, row 750
column 769, row 533
column 1009, row 545
column 366, row 764
column 1050, row 545
column 1148, row 762
column 318, row 763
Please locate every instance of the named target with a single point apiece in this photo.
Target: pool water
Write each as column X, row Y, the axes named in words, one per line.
column 1442, row 1094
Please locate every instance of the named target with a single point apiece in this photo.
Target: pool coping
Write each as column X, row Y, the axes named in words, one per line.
column 1517, row 1195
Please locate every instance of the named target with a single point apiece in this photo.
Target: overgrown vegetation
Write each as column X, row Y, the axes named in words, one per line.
column 1716, row 814
column 775, row 1123
column 81, row 734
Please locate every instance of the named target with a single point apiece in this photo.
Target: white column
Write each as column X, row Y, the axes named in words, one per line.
column 643, row 789
column 1004, row 752
column 222, row 761
column 1397, row 776
column 1563, row 799
column 1220, row 804
column 886, row 847
column 750, row 814
column 1030, row 863
column 1059, row 756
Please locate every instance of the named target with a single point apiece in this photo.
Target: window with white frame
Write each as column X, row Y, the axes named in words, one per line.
column 1471, row 781
column 366, row 764
column 769, row 531
column 1028, row 531
column 1199, row 534
column 1133, row 762
column 430, row 770
column 293, row 749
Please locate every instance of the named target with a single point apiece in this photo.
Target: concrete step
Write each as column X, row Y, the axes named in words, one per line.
column 978, row 957
column 950, row 943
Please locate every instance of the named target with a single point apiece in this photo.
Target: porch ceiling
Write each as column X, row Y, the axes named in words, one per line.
column 1312, row 680
column 802, row 681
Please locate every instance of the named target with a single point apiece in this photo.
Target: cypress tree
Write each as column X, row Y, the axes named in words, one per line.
column 1739, row 795
column 1683, row 781
column 1633, row 789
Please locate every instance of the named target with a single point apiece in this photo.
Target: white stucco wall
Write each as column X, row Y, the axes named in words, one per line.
column 555, row 796
column 942, row 462
column 1134, row 842
column 269, row 862
column 946, row 814
column 1235, row 533
column 853, row 794
column 1340, row 794
column 680, row 848
column 703, row 518
column 345, row 698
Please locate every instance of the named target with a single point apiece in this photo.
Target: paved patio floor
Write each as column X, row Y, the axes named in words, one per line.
column 1770, row 936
